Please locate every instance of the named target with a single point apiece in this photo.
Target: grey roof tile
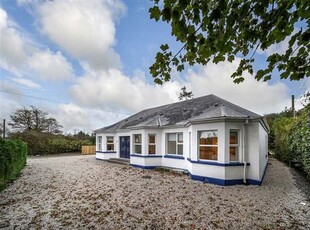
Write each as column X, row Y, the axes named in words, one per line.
column 205, row 107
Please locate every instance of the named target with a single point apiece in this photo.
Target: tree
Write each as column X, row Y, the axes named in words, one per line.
column 32, row 118
column 218, row 30
column 185, row 94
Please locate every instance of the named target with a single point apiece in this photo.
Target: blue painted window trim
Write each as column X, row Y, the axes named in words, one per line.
column 143, row 167
column 105, row 151
column 217, row 164
column 146, row 156
column 174, row 157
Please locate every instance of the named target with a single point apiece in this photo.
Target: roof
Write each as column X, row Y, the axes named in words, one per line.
column 180, row 113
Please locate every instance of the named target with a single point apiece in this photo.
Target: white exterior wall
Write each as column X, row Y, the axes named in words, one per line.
column 253, row 145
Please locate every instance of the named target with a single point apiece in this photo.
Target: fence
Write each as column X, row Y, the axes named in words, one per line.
column 88, row 149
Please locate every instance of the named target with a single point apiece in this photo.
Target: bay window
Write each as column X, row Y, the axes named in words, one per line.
column 110, row 143
column 152, row 143
column 137, row 143
column 233, row 145
column 175, row 143
column 208, row 145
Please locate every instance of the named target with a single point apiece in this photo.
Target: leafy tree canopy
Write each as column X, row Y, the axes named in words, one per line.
column 218, row 30
column 32, row 118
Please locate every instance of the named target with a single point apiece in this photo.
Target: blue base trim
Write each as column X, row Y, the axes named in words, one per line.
column 174, row 157
column 257, row 182
column 146, row 156
column 143, row 167
column 105, row 151
column 217, row 164
column 216, row 180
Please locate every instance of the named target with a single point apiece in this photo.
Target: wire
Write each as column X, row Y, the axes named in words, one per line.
column 46, row 99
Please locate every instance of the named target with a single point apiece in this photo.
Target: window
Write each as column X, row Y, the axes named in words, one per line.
column 233, row 145
column 137, row 143
column 152, row 144
column 175, row 143
column 110, row 143
column 208, row 145
column 99, row 143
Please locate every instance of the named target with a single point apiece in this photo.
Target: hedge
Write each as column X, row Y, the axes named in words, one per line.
column 45, row 144
column 13, row 156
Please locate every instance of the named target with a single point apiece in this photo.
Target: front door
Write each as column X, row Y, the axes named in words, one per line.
column 124, row 146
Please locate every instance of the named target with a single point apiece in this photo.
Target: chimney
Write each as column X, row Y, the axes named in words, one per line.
column 293, row 106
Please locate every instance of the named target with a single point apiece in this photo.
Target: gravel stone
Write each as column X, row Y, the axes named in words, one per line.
column 80, row 192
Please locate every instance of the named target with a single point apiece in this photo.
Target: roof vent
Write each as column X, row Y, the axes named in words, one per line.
column 161, row 113
column 184, row 110
column 126, row 120
column 140, row 118
column 216, row 104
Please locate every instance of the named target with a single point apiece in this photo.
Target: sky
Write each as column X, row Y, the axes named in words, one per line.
column 87, row 63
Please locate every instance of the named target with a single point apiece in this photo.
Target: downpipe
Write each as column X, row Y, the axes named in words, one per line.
column 243, row 152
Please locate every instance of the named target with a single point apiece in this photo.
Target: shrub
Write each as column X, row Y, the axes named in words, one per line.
column 12, row 160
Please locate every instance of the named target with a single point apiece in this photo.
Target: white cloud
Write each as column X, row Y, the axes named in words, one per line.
column 74, row 118
column 50, row 66
column 85, row 29
column 12, row 48
column 26, row 82
column 113, row 90
column 260, row 97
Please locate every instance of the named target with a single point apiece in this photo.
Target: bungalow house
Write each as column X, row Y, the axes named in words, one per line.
column 214, row 140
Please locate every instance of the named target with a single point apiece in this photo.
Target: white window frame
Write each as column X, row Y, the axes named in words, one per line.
column 110, row 143
column 235, row 145
column 199, row 145
column 137, row 143
column 99, row 143
column 152, row 144
column 177, row 143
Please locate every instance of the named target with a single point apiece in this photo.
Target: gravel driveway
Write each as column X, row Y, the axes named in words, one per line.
column 78, row 192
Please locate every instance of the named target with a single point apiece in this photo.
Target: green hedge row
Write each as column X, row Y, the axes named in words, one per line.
column 292, row 139
column 44, row 144
column 13, row 156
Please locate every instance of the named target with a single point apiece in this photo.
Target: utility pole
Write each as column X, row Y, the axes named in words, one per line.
column 293, row 106
column 3, row 129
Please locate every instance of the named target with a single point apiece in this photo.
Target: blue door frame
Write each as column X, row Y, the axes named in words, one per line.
column 124, row 146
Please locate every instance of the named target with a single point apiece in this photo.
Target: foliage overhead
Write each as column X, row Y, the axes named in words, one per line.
column 33, row 118
column 219, row 30
column 185, row 95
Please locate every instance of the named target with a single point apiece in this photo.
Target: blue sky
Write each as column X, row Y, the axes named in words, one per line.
column 90, row 60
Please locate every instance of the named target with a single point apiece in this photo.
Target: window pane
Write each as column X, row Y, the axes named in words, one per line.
column 233, row 137
column 171, row 147
column 171, row 137
column 208, row 153
column 99, row 139
column 109, row 139
column 208, row 138
column 152, row 149
column 138, row 149
column 110, row 147
column 180, row 137
column 233, row 153
column 137, row 138
column 152, row 138
column 180, row 149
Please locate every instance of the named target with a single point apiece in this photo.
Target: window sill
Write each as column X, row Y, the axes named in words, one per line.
column 146, row 156
column 174, row 157
column 99, row 151
column 206, row 162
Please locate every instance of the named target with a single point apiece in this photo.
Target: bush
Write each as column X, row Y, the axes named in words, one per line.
column 12, row 160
